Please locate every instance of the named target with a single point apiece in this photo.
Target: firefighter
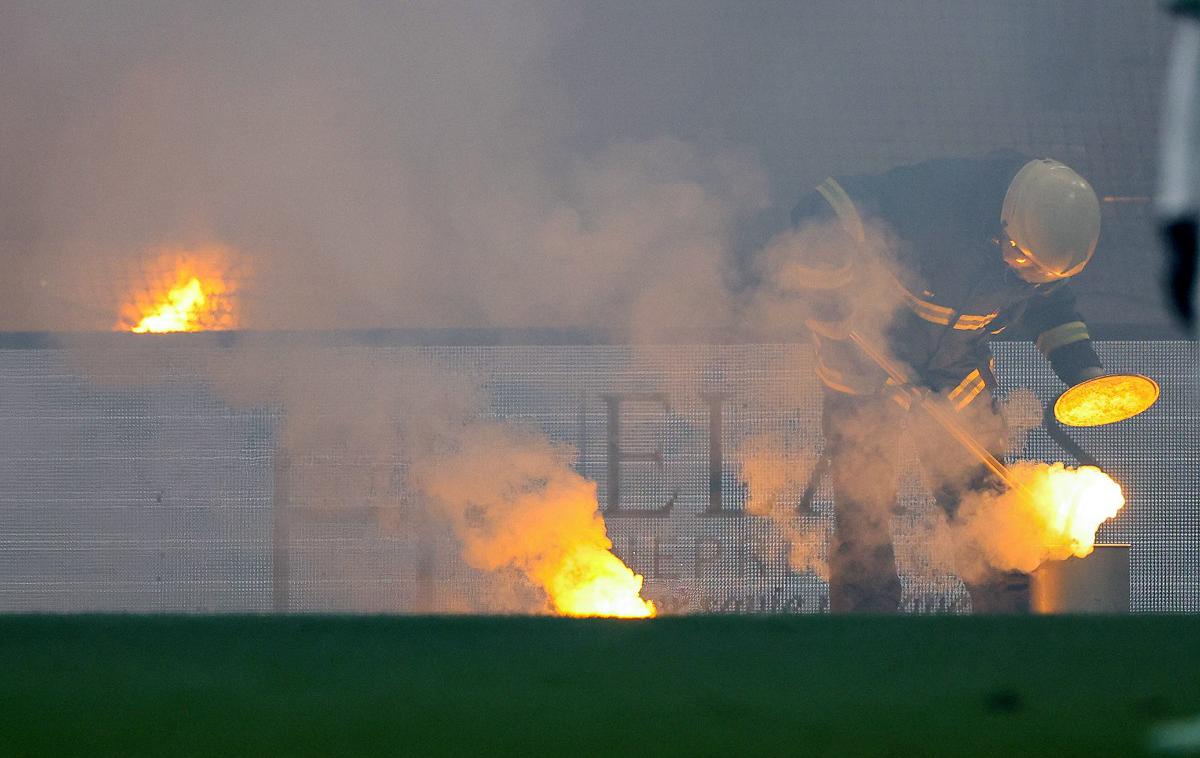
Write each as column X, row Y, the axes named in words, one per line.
column 1179, row 191
column 973, row 247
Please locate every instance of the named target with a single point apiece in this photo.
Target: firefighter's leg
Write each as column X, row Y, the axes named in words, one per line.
column 861, row 436
column 952, row 474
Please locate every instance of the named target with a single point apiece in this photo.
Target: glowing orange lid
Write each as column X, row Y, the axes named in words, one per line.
column 1106, row 400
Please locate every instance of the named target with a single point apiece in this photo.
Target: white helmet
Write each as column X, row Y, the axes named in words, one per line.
column 1052, row 219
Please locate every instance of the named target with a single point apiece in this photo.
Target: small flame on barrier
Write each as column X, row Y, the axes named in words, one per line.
column 186, row 291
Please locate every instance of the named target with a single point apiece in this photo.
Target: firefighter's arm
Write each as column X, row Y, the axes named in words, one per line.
column 1062, row 336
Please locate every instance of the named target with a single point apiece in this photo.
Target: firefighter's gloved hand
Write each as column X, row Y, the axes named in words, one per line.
column 1180, row 237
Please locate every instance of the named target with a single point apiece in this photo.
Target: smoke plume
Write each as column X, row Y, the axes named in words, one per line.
column 507, row 495
column 776, row 472
column 394, row 166
column 1054, row 516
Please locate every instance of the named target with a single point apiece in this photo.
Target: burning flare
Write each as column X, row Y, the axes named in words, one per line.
column 515, row 503
column 186, row 292
column 591, row 581
column 1071, row 504
column 178, row 313
column 1058, row 520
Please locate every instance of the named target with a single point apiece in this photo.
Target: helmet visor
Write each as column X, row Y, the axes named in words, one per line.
column 1026, row 264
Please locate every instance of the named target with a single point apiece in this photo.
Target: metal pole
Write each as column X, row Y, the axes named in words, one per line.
column 939, row 414
column 280, row 537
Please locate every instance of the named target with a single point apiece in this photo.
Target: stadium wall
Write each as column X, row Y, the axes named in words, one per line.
column 130, row 481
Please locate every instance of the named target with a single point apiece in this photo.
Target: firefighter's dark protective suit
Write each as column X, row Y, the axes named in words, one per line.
column 952, row 291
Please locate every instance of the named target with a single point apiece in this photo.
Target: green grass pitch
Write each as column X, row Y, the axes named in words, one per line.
column 819, row 685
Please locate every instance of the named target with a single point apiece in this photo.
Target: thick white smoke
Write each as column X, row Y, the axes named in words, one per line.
column 403, row 166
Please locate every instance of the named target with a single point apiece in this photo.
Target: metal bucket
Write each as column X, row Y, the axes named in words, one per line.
column 1098, row 583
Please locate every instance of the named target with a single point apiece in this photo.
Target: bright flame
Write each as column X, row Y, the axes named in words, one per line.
column 515, row 503
column 591, row 581
column 186, row 291
column 178, row 313
column 1106, row 399
column 1071, row 504
column 1055, row 517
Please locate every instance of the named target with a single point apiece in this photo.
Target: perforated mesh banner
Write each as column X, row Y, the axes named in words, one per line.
column 128, row 489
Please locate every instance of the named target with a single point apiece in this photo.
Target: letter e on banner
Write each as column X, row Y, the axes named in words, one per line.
column 618, row 455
